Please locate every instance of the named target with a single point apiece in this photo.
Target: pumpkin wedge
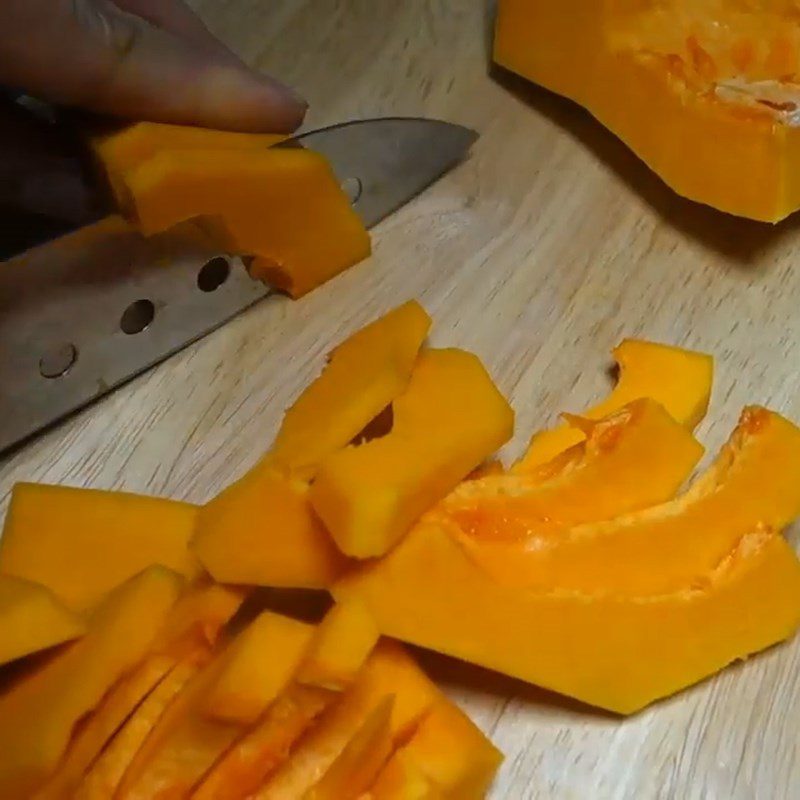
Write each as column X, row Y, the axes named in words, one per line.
column 282, row 205
column 609, row 650
column 120, row 149
column 82, row 543
column 32, row 619
column 598, row 479
column 450, row 418
column 680, row 380
column 402, row 779
column 664, row 548
column 39, row 712
column 706, row 94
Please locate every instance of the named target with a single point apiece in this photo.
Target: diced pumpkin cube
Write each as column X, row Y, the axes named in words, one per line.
column 446, row 423
column 341, row 645
column 82, row 543
column 32, row 619
column 39, row 712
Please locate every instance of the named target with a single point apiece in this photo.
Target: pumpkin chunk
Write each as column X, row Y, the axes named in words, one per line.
column 81, row 543
column 680, row 380
column 262, row 530
column 359, row 763
column 121, row 149
column 614, row 651
column 402, row 779
column 598, row 479
column 341, row 644
column 258, row 666
column 450, row 418
column 364, row 374
column 388, row 670
column 37, row 715
column 32, row 619
column 706, row 94
column 664, row 548
column 282, row 205
column 247, row 764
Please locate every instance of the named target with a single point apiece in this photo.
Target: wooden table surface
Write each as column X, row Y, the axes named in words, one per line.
column 540, row 253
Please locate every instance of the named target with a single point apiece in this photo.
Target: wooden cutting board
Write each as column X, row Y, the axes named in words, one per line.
column 544, row 250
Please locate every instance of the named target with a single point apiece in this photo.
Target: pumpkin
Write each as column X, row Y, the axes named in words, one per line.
column 32, row 619
column 402, row 779
column 705, row 93
column 619, row 652
column 666, row 547
column 344, row 639
column 38, row 713
column 679, row 380
column 82, row 543
column 598, row 479
column 120, row 149
column 257, row 668
column 450, row 418
column 283, row 206
column 261, row 529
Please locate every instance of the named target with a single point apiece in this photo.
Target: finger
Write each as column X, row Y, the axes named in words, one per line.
column 176, row 17
column 121, row 64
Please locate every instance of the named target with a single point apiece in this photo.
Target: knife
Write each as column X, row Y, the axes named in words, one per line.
column 85, row 312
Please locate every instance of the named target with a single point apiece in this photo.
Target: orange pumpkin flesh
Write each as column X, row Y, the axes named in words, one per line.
column 32, row 619
column 38, row 713
column 82, row 543
column 679, row 380
column 706, row 94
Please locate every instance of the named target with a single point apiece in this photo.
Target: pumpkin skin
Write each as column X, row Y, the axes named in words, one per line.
column 703, row 92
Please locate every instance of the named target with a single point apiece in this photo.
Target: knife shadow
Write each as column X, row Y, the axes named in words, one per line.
column 742, row 242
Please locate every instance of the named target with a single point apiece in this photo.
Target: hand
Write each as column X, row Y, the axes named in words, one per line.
column 143, row 59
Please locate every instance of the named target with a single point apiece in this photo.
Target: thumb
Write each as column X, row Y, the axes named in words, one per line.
column 118, row 63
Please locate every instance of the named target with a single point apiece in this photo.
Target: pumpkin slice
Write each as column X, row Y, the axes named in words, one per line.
column 598, row 479
column 39, row 712
column 240, row 772
column 121, row 149
column 614, row 651
column 98, row 730
column 453, row 753
column 364, row 374
column 282, row 205
column 263, row 531
column 402, row 779
column 667, row 547
column 257, row 667
column 388, row 670
column 32, row 619
column 356, row 767
column 104, row 777
column 81, row 543
column 705, row 94
column 449, row 419
column 342, row 642
column 680, row 380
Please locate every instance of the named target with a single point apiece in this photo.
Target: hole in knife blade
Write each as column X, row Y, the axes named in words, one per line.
column 137, row 316
column 213, row 274
column 352, row 188
column 58, row 361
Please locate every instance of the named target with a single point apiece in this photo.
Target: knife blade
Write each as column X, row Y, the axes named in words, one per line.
column 88, row 311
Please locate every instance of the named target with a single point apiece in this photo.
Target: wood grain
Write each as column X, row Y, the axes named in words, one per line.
column 540, row 253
